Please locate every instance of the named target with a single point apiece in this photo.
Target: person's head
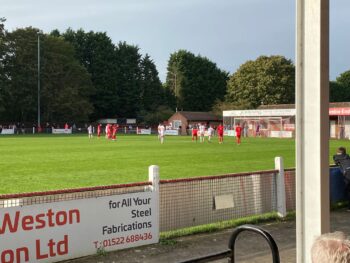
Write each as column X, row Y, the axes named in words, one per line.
column 331, row 248
column 341, row 150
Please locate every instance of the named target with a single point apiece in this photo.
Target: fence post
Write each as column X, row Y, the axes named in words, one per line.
column 281, row 190
column 153, row 176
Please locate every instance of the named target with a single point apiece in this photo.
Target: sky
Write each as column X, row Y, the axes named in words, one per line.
column 228, row 32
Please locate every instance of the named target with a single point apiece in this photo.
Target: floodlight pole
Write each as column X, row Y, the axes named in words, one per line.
column 38, row 81
column 175, row 89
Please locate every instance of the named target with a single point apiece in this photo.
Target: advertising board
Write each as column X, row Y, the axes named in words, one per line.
column 144, row 131
column 8, row 131
column 61, row 131
column 171, row 132
column 52, row 232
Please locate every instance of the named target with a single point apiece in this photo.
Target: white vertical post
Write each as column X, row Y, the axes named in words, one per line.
column 312, row 134
column 281, row 130
column 153, row 176
column 38, row 80
column 281, row 189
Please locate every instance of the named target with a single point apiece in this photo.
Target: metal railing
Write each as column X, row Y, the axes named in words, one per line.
column 229, row 254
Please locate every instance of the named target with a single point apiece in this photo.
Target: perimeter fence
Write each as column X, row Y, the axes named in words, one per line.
column 193, row 201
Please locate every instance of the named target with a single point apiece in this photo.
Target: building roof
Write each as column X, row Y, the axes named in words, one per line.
column 199, row 116
column 292, row 106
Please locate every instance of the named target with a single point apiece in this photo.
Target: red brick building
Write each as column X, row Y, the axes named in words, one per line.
column 183, row 120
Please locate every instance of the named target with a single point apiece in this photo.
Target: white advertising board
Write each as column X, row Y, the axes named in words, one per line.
column 52, row 232
column 8, row 131
column 281, row 134
column 106, row 121
column 229, row 133
column 171, row 132
column 130, row 121
column 259, row 113
column 61, row 131
column 144, row 131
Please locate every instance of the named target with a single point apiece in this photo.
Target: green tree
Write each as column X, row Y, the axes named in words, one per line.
column 20, row 75
column 339, row 90
column 152, row 92
column 161, row 114
column 65, row 84
column 2, row 55
column 97, row 54
column 221, row 106
column 344, row 79
column 195, row 81
column 337, row 93
column 266, row 80
column 129, row 80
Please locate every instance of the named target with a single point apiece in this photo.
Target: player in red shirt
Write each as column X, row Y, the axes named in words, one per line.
column 114, row 131
column 110, row 131
column 220, row 130
column 238, row 133
column 194, row 133
column 99, row 126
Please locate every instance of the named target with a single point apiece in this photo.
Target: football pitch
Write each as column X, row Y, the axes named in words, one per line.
column 40, row 163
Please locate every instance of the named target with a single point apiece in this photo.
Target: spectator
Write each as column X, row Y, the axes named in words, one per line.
column 257, row 130
column 331, row 248
column 47, row 128
column 342, row 159
column 245, row 129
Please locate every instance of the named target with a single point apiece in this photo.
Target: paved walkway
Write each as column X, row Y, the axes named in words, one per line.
column 250, row 248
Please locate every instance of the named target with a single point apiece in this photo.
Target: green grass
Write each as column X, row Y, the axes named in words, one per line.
column 254, row 220
column 39, row 163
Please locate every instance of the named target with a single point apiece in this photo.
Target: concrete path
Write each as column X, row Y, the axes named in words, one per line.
column 250, row 248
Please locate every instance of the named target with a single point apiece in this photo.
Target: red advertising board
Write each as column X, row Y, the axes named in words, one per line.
column 339, row 111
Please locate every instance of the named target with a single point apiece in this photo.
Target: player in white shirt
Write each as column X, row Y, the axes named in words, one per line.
column 161, row 131
column 90, row 131
column 201, row 132
column 210, row 133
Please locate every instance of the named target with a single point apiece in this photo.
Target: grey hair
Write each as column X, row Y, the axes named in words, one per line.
column 331, row 248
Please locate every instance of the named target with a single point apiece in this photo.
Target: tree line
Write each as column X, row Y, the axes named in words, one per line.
column 84, row 76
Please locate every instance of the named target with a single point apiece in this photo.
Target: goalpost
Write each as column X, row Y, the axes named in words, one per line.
column 275, row 127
